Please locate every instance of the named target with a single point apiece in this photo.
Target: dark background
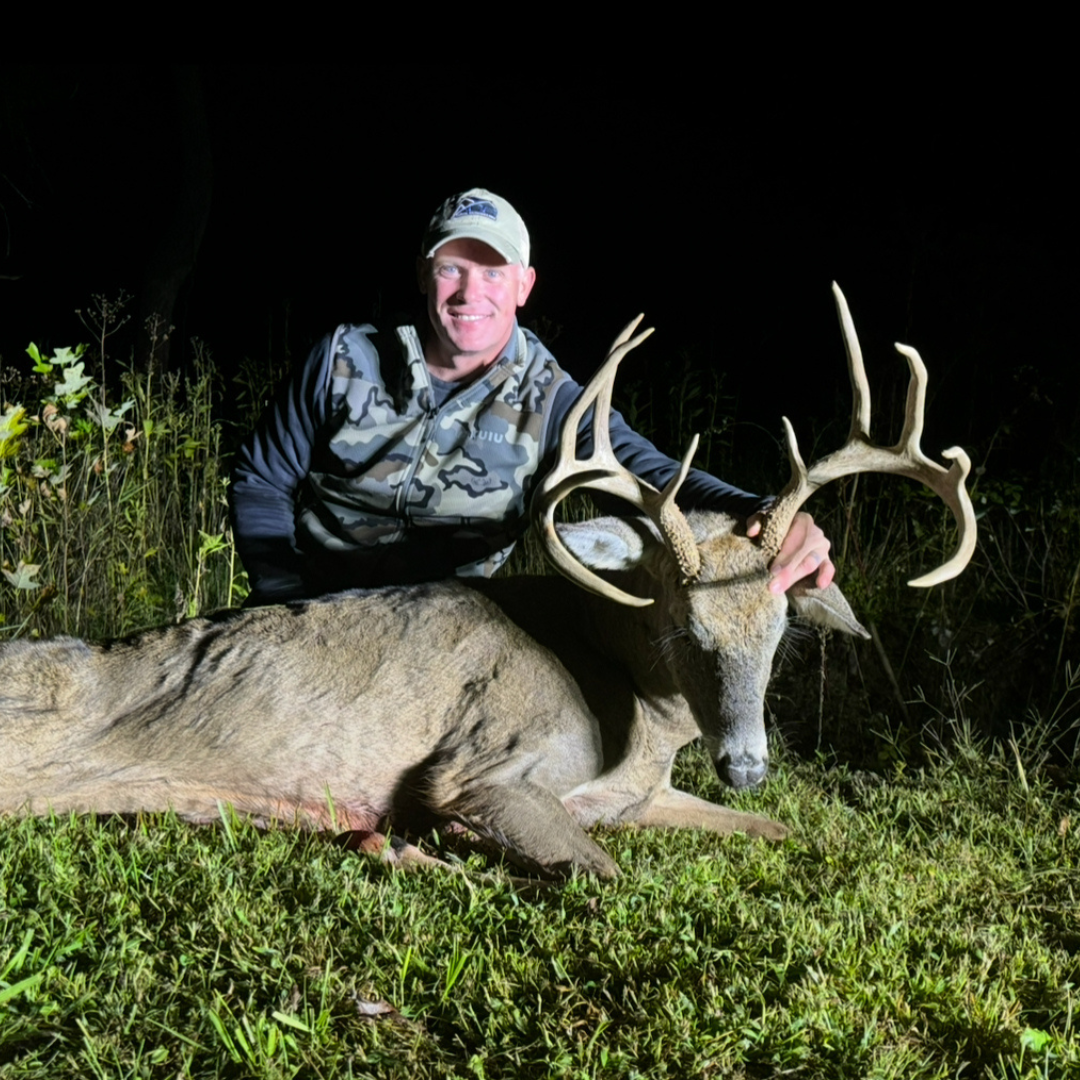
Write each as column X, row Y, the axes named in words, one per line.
column 296, row 197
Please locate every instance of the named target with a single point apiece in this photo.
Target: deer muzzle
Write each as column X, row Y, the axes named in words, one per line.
column 743, row 771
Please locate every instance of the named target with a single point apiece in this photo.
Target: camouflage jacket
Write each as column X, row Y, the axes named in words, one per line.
column 367, row 471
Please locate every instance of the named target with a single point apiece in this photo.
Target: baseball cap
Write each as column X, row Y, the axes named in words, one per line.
column 477, row 214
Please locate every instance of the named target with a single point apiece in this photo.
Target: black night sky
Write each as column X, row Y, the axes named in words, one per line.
column 721, row 211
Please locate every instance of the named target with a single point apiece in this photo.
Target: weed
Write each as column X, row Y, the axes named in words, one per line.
column 114, row 515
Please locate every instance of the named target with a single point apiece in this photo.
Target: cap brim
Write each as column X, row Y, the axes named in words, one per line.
column 496, row 243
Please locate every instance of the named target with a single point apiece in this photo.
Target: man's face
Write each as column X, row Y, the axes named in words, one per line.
column 472, row 299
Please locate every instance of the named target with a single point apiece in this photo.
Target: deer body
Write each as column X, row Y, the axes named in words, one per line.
column 524, row 711
column 274, row 707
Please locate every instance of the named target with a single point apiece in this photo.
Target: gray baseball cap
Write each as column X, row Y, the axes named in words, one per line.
column 478, row 215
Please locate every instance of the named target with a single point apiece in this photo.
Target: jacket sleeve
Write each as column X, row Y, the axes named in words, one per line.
column 271, row 467
column 701, row 491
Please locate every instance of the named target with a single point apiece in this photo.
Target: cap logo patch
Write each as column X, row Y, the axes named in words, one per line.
column 470, row 204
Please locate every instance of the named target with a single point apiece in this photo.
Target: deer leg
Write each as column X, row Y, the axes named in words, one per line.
column 394, row 851
column 673, row 809
column 606, row 802
column 534, row 827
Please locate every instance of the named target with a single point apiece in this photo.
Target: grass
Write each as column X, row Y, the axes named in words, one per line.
column 918, row 925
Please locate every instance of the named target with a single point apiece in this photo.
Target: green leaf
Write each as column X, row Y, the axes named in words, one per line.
column 1034, row 1039
column 73, row 388
column 22, row 577
column 16, row 962
column 41, row 365
column 211, row 544
column 11, row 427
column 105, row 417
column 290, row 1021
column 65, row 356
column 15, row 989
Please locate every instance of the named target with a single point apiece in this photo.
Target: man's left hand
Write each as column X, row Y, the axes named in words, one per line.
column 805, row 551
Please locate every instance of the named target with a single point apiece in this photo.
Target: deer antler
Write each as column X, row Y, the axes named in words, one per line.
column 860, row 455
column 602, row 471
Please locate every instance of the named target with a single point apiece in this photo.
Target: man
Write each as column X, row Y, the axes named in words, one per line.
column 392, row 458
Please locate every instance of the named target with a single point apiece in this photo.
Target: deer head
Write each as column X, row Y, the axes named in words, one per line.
column 712, row 608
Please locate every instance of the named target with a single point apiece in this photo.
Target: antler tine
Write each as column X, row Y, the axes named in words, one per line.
column 915, row 406
column 860, row 385
column 599, row 391
column 603, row 472
column 859, row 454
column 948, row 484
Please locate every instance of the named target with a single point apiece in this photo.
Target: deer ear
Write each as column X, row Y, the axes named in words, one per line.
column 606, row 543
column 825, row 607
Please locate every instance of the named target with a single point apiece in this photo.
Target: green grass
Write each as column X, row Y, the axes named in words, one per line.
column 913, row 924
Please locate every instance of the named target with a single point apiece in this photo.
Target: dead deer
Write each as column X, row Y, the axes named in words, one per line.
column 526, row 709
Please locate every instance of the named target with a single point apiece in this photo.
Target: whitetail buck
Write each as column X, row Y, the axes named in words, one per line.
column 524, row 709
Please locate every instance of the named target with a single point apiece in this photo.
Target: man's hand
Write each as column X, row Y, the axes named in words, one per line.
column 805, row 551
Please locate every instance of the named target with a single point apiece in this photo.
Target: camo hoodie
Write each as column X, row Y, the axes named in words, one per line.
column 369, row 471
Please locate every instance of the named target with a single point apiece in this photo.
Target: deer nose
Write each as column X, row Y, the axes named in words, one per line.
column 744, row 771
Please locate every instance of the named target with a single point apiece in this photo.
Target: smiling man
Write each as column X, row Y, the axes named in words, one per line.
column 473, row 295
column 397, row 457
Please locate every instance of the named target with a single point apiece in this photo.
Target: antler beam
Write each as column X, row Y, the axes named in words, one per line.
column 859, row 455
column 602, row 471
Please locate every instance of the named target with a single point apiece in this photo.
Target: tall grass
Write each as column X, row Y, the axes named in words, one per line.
column 1001, row 636
column 113, row 505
